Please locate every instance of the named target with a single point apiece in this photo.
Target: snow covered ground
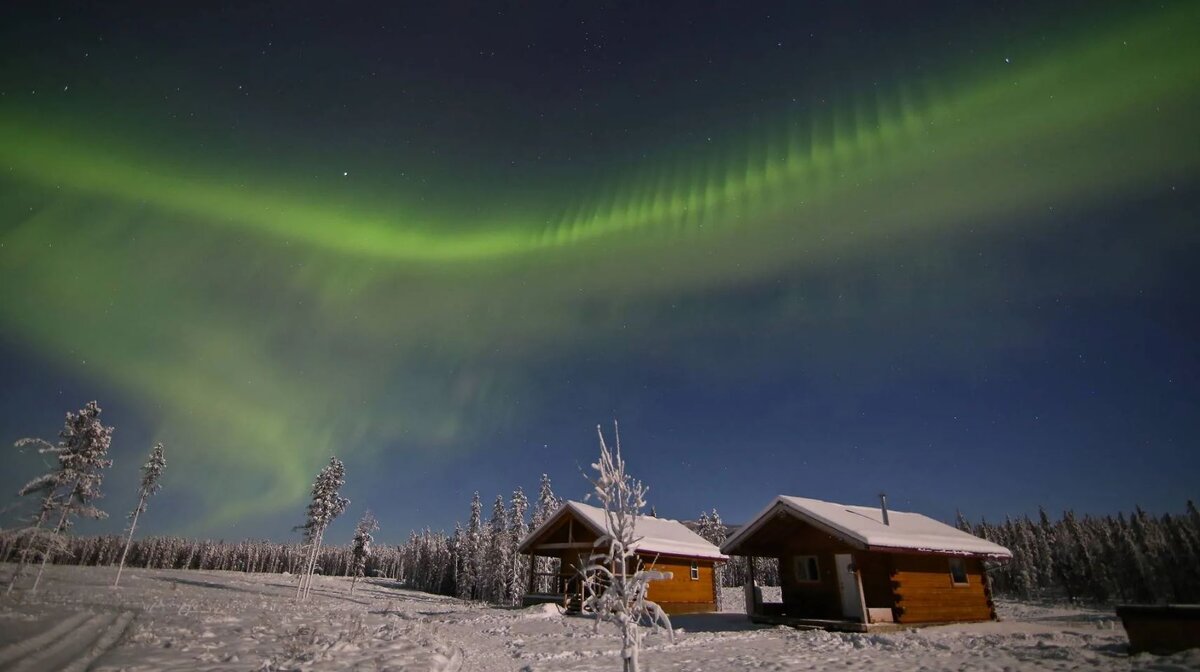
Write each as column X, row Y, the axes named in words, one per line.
column 193, row 620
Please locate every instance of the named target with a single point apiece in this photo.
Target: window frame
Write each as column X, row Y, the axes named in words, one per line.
column 961, row 563
column 802, row 561
column 695, row 570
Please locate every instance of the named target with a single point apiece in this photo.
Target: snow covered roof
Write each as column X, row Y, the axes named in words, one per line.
column 657, row 535
column 863, row 526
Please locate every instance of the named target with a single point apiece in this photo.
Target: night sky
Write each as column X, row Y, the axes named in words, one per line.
column 819, row 249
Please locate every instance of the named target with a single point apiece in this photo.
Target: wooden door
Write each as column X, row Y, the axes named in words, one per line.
column 850, row 588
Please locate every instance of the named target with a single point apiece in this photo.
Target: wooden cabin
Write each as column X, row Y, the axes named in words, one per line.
column 664, row 545
column 856, row 567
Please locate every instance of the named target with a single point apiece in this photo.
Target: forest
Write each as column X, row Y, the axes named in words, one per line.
column 1130, row 557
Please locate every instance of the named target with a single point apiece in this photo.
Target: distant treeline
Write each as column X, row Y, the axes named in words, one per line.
column 181, row 553
column 477, row 561
column 1132, row 557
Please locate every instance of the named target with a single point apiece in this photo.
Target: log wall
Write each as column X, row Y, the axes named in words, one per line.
column 681, row 593
column 925, row 592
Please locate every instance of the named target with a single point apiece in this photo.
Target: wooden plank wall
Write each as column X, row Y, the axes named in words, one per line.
column 682, row 594
column 810, row 599
column 926, row 594
column 567, row 530
column 875, row 571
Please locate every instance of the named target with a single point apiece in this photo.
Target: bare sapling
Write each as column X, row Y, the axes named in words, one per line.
column 151, row 473
column 615, row 582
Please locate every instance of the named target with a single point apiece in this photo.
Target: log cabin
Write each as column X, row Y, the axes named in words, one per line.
column 664, row 545
column 861, row 568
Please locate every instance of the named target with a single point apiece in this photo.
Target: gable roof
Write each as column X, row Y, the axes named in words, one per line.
column 862, row 526
column 657, row 535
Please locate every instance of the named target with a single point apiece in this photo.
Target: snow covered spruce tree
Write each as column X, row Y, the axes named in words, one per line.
column 70, row 490
column 469, row 580
column 616, row 585
column 496, row 562
column 151, row 472
column 517, row 529
column 327, row 504
column 712, row 528
column 456, row 544
column 547, row 503
column 362, row 545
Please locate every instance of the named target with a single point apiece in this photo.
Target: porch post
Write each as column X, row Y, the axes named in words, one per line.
column 533, row 563
column 750, row 590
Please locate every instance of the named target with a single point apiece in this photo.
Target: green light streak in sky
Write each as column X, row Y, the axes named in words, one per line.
column 1098, row 84
column 323, row 326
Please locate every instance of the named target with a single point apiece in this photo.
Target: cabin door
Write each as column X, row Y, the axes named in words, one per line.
column 850, row 588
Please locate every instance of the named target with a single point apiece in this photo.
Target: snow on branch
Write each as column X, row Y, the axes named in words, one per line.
column 616, row 583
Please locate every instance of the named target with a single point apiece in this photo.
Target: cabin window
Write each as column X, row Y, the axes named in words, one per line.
column 958, row 571
column 695, row 570
column 806, row 568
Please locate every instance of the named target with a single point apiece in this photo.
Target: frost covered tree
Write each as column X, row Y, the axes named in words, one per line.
column 547, row 503
column 497, row 560
column 362, row 545
column 1135, row 557
column 1021, row 544
column 517, row 529
column 1185, row 552
column 616, row 583
column 712, row 528
column 33, row 534
column 428, row 562
column 151, row 472
column 472, row 552
column 456, row 545
column 1044, row 550
column 326, row 505
column 70, row 490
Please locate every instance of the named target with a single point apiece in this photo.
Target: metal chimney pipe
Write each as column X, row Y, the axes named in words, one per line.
column 883, row 507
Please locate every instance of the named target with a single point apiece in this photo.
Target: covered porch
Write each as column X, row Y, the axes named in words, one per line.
column 824, row 582
column 559, row 559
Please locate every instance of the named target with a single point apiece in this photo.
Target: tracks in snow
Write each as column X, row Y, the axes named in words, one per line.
column 71, row 646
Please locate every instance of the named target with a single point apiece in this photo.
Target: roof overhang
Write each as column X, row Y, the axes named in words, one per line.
column 644, row 546
column 563, row 511
column 781, row 507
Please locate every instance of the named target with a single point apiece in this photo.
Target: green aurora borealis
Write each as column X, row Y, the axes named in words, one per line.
column 260, row 324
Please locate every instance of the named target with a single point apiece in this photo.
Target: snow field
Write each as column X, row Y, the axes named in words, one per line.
column 70, row 645
column 207, row 620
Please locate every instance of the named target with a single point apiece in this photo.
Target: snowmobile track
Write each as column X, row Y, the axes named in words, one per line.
column 21, row 649
column 71, row 646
